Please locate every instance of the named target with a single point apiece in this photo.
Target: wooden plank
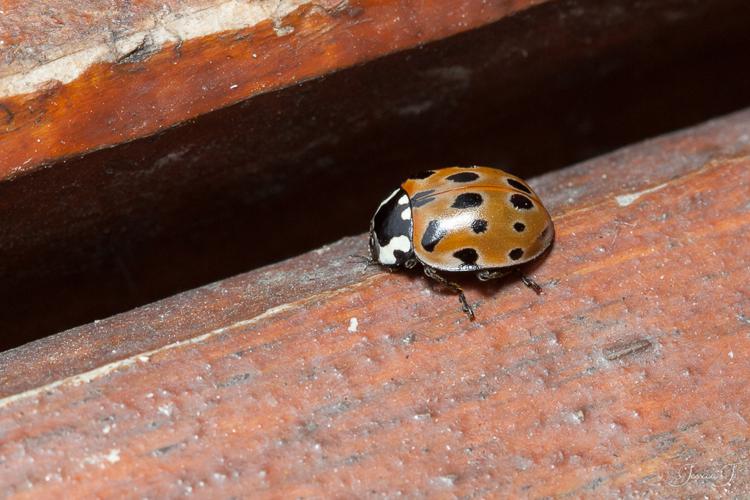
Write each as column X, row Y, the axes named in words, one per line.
column 311, row 378
column 124, row 226
column 76, row 76
column 79, row 77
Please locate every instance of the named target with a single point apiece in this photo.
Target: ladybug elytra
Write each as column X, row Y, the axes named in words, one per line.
column 461, row 219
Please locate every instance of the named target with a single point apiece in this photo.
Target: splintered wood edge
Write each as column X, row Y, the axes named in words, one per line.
column 163, row 66
column 622, row 176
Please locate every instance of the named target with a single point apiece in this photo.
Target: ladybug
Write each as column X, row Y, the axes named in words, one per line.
column 461, row 219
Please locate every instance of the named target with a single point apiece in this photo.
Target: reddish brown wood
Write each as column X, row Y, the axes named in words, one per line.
column 330, row 267
column 124, row 226
column 151, row 88
column 625, row 378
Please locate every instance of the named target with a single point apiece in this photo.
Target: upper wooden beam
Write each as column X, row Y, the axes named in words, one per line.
column 76, row 77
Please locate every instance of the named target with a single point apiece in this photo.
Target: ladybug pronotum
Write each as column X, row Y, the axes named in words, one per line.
column 461, row 219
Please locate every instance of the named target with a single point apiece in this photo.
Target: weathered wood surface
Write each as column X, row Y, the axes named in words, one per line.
column 547, row 86
column 626, row 377
column 78, row 76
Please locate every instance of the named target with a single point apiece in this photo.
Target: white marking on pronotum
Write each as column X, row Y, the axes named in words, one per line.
column 406, row 213
column 404, row 200
column 387, row 253
column 353, row 325
column 626, row 199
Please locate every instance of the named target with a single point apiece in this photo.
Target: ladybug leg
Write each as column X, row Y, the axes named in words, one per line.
column 486, row 275
column 409, row 264
column 433, row 274
column 531, row 284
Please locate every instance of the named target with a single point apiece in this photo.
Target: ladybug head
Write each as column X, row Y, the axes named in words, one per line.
column 391, row 230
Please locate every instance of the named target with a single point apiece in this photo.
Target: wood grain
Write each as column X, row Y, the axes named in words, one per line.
column 149, row 86
column 120, row 227
column 311, row 378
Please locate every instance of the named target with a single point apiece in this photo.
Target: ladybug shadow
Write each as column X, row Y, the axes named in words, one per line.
column 470, row 282
column 518, row 275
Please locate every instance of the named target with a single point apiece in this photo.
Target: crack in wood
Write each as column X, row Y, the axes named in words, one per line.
column 622, row 349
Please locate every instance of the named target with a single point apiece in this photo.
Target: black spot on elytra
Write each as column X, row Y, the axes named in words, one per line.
column 521, row 202
column 468, row 256
column 518, row 185
column 432, row 235
column 463, row 177
column 516, row 253
column 422, row 198
column 422, row 175
column 519, row 226
column 467, row 200
column 479, row 226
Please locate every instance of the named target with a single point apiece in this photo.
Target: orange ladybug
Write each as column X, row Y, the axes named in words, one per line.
column 461, row 219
